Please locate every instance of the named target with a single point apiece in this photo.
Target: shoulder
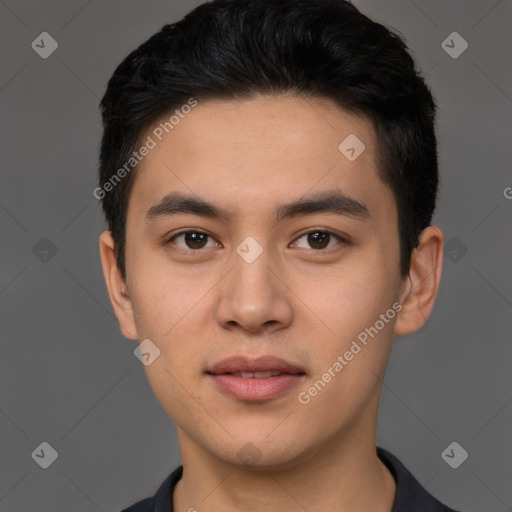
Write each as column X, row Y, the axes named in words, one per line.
column 410, row 494
column 145, row 505
column 162, row 500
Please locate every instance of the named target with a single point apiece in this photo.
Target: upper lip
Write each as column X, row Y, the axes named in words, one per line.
column 260, row 364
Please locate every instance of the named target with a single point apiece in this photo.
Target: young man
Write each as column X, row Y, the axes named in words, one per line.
column 268, row 175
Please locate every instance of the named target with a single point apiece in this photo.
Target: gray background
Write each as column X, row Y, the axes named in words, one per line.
column 69, row 378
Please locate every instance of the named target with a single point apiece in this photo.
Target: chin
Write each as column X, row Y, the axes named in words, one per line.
column 259, row 452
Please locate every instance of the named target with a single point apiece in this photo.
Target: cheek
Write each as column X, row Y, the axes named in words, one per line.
column 163, row 295
column 348, row 309
column 357, row 334
column 351, row 297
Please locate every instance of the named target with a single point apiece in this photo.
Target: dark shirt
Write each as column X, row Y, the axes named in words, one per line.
column 410, row 495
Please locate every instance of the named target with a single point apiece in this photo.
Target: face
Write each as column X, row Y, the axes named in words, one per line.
column 295, row 257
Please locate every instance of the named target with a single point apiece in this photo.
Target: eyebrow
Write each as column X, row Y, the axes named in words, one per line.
column 334, row 202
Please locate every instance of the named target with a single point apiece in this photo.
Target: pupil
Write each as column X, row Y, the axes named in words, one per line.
column 195, row 240
column 318, row 239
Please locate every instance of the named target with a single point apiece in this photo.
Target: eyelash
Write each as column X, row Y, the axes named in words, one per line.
column 340, row 239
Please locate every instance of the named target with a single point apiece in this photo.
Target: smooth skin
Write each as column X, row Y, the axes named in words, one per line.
column 298, row 300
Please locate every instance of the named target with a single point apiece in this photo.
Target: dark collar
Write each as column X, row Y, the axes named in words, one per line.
column 410, row 495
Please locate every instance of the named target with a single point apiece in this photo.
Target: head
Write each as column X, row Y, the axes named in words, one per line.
column 268, row 173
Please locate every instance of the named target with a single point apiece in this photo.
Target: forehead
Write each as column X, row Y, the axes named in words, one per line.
column 253, row 152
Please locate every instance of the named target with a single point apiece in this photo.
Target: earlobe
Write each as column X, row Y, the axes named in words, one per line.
column 117, row 289
column 422, row 284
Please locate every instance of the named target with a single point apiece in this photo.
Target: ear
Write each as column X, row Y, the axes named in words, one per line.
column 116, row 286
column 420, row 289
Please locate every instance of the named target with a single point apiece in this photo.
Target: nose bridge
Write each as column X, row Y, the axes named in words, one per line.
column 253, row 278
column 252, row 295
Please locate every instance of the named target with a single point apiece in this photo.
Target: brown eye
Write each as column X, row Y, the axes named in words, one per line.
column 318, row 239
column 193, row 240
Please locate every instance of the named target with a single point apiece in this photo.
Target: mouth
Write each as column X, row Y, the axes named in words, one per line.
column 257, row 379
column 254, row 375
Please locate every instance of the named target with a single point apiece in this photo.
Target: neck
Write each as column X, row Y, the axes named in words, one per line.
column 345, row 474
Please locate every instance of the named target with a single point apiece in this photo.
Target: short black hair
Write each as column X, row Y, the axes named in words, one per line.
column 237, row 49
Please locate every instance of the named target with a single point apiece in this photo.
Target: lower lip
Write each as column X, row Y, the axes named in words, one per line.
column 256, row 390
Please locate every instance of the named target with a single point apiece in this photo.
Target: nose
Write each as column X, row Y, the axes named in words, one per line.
column 254, row 296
